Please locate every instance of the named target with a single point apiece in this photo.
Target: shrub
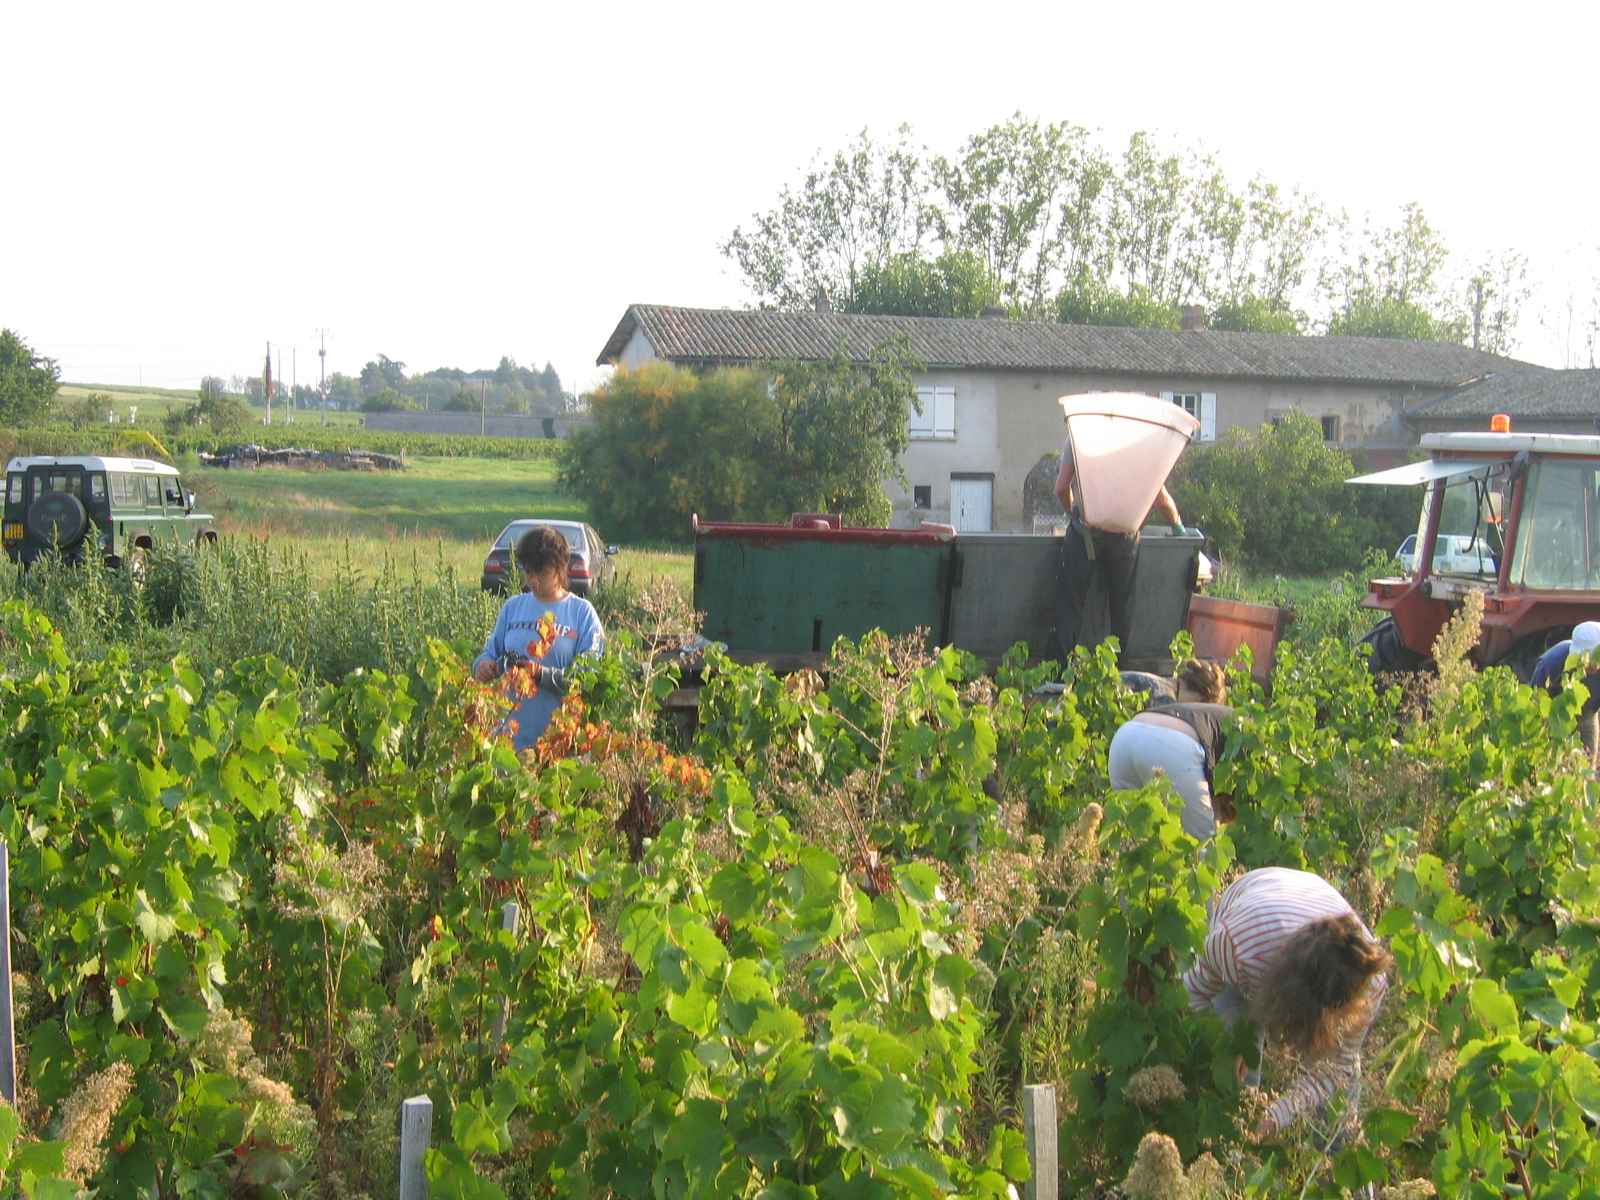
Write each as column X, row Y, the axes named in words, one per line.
column 743, row 443
column 1275, row 499
column 389, row 400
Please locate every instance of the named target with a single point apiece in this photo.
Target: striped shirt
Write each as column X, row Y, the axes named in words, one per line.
column 1251, row 922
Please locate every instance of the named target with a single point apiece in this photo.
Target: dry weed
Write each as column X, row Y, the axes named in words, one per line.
column 1154, row 1086
column 86, row 1120
column 1157, row 1172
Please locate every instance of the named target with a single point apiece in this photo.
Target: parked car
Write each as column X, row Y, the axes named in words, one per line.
column 1452, row 554
column 591, row 563
column 78, row 505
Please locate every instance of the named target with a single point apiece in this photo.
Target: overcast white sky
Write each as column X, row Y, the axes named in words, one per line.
column 446, row 183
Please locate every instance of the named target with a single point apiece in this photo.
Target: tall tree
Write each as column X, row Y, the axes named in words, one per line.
column 1090, row 301
column 1150, row 222
column 1389, row 284
column 867, row 204
column 1494, row 295
column 382, row 372
column 28, row 382
column 1024, row 197
column 837, row 433
column 908, row 285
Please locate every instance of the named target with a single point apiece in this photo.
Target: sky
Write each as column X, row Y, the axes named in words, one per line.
column 446, row 184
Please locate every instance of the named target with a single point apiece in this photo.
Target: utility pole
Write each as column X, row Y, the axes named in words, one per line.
column 1477, row 310
column 280, row 379
column 483, row 406
column 266, row 385
column 294, row 385
column 323, row 353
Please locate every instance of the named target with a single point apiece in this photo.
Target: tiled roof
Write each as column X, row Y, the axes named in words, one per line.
column 722, row 335
column 1521, row 393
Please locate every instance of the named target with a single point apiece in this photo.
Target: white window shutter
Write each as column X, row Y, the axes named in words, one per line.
column 1208, row 416
column 922, row 422
column 1167, row 396
column 944, row 412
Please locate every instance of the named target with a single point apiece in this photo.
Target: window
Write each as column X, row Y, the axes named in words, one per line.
column 97, row 486
column 1469, row 537
column 152, row 492
column 922, row 495
column 1202, row 406
column 1558, row 539
column 16, row 489
column 1330, row 429
column 125, row 491
column 937, row 419
column 72, row 484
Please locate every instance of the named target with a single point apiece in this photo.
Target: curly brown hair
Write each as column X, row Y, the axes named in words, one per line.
column 1205, row 679
column 543, row 549
column 1318, row 987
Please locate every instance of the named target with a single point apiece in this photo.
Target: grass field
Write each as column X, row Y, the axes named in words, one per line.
column 437, row 512
column 154, row 403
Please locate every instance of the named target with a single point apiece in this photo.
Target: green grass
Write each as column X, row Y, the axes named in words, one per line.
column 440, row 512
column 452, row 498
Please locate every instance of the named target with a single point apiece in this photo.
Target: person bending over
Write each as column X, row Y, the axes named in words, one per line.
column 1207, row 683
column 1552, row 668
column 572, row 628
column 1285, row 949
column 1183, row 741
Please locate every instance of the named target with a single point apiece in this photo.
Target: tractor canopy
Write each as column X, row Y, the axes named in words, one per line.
column 1514, row 516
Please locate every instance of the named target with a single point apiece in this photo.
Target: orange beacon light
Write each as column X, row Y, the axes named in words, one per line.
column 1500, row 423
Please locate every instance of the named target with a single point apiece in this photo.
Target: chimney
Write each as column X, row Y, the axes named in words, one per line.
column 992, row 312
column 824, row 305
column 1191, row 316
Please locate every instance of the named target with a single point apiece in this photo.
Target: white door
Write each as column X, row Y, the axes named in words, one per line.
column 972, row 505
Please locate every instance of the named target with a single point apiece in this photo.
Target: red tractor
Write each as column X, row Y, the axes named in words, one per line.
column 1515, row 516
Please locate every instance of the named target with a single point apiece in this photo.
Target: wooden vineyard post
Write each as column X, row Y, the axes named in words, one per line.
column 511, row 913
column 1039, row 1129
column 8, row 1028
column 416, row 1130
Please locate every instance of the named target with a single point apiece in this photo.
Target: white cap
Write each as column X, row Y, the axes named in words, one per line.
column 1586, row 638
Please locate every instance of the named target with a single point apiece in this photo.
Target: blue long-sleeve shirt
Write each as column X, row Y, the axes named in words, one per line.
column 577, row 631
column 1552, row 666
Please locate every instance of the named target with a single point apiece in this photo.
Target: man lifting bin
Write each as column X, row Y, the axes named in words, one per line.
column 1119, row 450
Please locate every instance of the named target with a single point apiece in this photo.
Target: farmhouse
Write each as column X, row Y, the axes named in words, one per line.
column 989, row 391
column 1536, row 400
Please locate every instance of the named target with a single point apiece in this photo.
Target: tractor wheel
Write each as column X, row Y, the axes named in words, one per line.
column 1387, row 652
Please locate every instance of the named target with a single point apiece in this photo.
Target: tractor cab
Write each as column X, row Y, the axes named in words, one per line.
column 1514, row 516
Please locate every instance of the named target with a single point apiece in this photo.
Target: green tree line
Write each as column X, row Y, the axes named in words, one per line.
column 382, row 385
column 1041, row 220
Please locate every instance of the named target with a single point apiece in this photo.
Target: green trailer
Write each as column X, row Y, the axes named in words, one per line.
column 782, row 593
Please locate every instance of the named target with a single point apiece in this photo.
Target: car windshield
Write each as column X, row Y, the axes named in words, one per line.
column 1469, row 539
column 508, row 537
column 1558, row 536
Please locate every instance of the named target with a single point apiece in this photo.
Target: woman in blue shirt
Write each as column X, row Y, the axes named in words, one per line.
column 572, row 628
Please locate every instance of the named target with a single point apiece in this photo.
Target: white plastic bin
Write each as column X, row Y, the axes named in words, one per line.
column 1123, row 446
